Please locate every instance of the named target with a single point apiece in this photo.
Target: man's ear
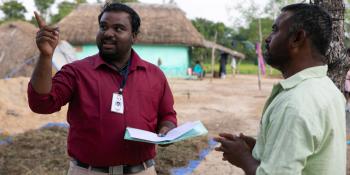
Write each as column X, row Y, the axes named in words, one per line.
column 298, row 39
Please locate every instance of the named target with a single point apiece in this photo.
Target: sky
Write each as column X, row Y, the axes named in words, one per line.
column 217, row 11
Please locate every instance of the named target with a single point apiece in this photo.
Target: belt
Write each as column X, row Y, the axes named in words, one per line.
column 120, row 169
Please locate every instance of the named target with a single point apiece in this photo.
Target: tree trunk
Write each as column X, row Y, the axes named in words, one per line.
column 337, row 59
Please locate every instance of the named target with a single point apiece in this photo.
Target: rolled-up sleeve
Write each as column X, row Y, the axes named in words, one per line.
column 63, row 84
column 290, row 140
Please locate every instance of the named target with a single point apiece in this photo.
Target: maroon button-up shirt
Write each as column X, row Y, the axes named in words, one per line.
column 96, row 135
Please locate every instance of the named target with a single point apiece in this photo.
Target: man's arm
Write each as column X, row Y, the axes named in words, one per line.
column 166, row 113
column 47, row 95
column 46, row 40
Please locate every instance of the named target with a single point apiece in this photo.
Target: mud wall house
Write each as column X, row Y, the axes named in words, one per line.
column 166, row 35
column 19, row 53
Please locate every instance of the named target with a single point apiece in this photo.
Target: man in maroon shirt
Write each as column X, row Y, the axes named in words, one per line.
column 106, row 92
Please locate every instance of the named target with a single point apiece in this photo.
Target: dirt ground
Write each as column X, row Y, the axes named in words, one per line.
column 15, row 115
column 229, row 105
column 232, row 104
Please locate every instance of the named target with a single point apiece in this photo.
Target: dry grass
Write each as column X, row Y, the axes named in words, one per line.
column 17, row 48
column 179, row 154
column 35, row 152
column 43, row 152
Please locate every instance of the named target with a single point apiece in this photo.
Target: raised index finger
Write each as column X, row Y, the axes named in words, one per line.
column 39, row 20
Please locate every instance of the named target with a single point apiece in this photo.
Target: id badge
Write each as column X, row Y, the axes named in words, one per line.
column 117, row 103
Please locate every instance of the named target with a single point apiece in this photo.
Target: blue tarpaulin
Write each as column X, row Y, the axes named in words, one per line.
column 48, row 125
column 193, row 164
column 52, row 124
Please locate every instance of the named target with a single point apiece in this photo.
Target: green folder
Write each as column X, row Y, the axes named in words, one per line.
column 197, row 130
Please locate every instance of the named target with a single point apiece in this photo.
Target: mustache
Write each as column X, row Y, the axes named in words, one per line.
column 108, row 41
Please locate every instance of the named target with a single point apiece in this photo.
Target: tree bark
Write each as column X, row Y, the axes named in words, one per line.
column 338, row 59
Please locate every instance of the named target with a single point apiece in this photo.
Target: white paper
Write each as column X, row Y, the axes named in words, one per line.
column 171, row 135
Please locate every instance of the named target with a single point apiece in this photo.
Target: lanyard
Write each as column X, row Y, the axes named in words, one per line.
column 125, row 77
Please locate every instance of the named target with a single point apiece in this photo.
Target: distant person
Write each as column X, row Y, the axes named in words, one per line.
column 106, row 92
column 159, row 62
column 223, row 62
column 233, row 66
column 302, row 129
column 198, row 70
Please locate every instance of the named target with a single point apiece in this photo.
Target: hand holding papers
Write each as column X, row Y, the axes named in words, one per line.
column 185, row 131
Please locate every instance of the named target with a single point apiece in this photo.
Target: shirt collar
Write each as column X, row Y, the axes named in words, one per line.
column 312, row 72
column 136, row 61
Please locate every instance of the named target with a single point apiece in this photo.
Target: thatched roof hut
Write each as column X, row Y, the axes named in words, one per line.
column 210, row 44
column 19, row 53
column 160, row 24
column 17, row 47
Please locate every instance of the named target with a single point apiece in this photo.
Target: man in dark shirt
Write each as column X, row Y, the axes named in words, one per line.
column 223, row 61
column 106, row 92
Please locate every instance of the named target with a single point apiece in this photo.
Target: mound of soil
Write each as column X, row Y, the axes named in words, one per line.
column 40, row 151
column 179, row 154
column 43, row 152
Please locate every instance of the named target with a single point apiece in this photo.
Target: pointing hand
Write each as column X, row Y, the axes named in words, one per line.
column 46, row 38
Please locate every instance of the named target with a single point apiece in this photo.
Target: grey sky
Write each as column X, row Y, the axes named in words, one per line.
column 217, row 11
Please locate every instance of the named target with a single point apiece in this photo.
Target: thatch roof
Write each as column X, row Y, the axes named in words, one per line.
column 236, row 54
column 17, row 46
column 160, row 24
column 19, row 53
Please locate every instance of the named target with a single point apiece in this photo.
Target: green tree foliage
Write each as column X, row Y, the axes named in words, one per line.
column 248, row 37
column 13, row 10
column 243, row 39
column 43, row 6
column 64, row 8
column 122, row 1
column 207, row 29
column 80, row 1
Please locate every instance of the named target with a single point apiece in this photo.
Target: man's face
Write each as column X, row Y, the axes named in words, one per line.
column 277, row 53
column 114, row 38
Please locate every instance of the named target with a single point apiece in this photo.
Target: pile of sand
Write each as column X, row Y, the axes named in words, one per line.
column 15, row 114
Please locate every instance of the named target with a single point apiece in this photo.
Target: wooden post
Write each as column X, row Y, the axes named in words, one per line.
column 260, row 40
column 213, row 56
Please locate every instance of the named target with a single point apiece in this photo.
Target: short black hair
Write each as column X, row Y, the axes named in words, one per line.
column 118, row 7
column 314, row 20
